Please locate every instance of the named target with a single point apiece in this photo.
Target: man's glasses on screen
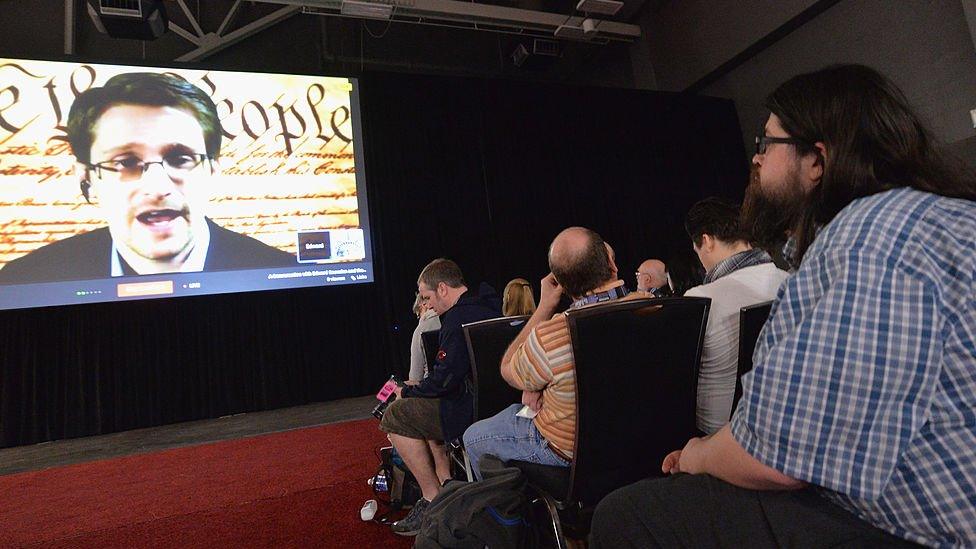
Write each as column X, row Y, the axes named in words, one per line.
column 131, row 168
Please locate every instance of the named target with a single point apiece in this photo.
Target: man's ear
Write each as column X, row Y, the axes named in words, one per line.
column 613, row 264
column 84, row 180
column 814, row 166
column 708, row 243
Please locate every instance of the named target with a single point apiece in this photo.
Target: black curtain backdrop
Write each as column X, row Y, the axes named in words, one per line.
column 485, row 172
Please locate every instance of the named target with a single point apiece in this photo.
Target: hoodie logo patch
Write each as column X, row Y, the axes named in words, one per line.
column 441, row 355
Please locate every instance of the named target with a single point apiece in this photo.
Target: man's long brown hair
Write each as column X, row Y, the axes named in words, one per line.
column 874, row 142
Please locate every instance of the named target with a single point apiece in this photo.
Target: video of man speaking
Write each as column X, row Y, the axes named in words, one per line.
column 111, row 171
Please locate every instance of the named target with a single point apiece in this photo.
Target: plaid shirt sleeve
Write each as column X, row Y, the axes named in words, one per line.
column 845, row 371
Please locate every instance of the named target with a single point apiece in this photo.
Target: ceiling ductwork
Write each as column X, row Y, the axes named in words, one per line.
column 587, row 27
column 589, row 23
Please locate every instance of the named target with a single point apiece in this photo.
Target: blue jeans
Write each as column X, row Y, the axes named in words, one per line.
column 509, row 437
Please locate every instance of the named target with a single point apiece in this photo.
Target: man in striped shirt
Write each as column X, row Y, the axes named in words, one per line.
column 857, row 425
column 540, row 360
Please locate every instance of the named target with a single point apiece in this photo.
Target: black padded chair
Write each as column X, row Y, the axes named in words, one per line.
column 430, row 341
column 751, row 321
column 487, row 341
column 636, row 379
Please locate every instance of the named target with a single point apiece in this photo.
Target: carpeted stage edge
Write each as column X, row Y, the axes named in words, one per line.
column 300, row 488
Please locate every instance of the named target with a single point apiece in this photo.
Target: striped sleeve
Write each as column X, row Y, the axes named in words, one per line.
column 531, row 364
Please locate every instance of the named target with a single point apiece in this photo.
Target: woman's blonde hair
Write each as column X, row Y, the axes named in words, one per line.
column 518, row 298
column 418, row 302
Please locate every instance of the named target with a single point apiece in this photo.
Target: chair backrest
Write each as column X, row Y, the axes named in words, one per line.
column 487, row 341
column 636, row 379
column 430, row 341
column 751, row 321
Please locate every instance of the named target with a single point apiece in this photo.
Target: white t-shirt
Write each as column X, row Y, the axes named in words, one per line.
column 720, row 354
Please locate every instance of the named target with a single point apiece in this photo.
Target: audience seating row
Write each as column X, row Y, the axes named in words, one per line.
column 636, row 375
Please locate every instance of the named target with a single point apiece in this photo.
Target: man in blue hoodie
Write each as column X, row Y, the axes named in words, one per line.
column 440, row 407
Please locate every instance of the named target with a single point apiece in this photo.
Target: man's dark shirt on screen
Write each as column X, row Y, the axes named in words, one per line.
column 88, row 256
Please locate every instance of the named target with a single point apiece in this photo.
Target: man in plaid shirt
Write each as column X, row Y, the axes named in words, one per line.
column 857, row 425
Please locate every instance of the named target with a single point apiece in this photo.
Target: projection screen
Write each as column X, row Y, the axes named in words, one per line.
column 123, row 182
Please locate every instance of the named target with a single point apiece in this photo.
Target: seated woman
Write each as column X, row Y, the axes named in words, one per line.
column 518, row 299
column 427, row 321
column 685, row 271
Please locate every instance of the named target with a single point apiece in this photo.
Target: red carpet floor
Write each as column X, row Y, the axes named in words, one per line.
column 300, row 488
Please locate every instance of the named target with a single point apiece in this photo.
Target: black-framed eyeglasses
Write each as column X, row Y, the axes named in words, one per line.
column 764, row 141
column 131, row 168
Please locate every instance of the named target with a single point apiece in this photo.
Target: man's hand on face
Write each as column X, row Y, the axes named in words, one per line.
column 550, row 292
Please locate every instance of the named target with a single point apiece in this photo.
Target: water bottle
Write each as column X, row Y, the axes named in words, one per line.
column 386, row 396
column 380, row 483
column 369, row 510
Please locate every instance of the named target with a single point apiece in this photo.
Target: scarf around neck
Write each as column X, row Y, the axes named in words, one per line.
column 741, row 260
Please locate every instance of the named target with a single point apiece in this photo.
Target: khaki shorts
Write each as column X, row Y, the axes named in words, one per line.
column 418, row 418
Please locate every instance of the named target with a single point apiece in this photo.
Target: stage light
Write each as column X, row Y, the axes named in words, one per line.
column 569, row 32
column 369, row 10
column 519, row 56
column 589, row 26
column 602, row 7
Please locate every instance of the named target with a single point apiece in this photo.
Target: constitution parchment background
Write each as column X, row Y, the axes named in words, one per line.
column 286, row 162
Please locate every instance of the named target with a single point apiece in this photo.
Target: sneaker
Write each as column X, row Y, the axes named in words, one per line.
column 410, row 524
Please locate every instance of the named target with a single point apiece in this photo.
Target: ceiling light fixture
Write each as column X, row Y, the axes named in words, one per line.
column 368, row 10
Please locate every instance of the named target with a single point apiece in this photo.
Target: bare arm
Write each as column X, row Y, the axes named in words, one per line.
column 548, row 301
column 721, row 456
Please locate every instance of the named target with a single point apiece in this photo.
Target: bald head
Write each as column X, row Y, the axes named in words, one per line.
column 571, row 243
column 651, row 274
column 581, row 261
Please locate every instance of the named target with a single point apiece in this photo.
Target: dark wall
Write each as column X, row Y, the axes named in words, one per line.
column 485, row 171
column 535, row 158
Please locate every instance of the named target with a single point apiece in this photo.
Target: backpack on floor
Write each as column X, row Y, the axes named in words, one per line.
column 492, row 512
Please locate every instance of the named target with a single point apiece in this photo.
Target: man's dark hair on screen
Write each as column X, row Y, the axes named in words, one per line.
column 874, row 142
column 140, row 88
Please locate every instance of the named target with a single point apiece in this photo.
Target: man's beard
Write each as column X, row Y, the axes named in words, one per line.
column 769, row 216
